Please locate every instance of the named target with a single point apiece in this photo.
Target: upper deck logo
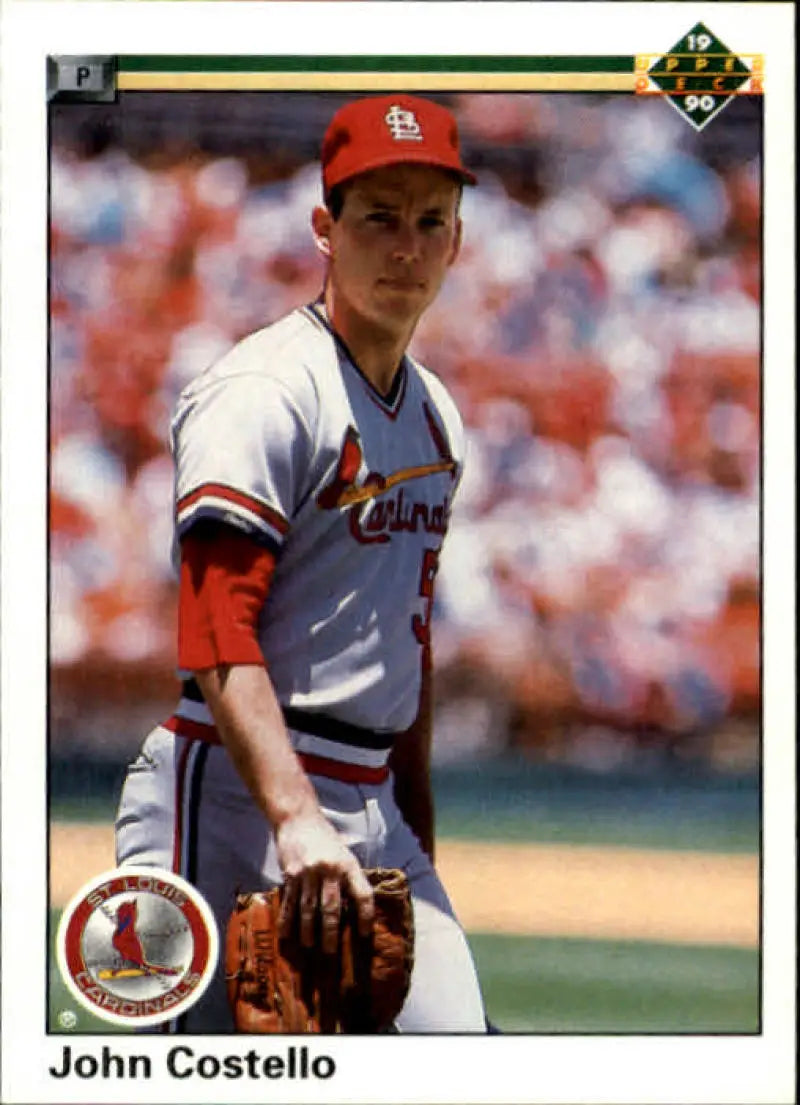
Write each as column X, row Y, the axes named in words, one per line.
column 699, row 75
column 137, row 946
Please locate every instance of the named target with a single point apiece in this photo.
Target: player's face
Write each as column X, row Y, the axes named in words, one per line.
column 393, row 242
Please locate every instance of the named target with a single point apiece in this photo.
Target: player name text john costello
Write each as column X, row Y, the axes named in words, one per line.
column 184, row 1062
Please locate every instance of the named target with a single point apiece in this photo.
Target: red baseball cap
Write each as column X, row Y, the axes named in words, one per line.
column 387, row 130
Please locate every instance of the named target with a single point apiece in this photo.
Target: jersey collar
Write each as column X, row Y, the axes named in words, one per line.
column 390, row 403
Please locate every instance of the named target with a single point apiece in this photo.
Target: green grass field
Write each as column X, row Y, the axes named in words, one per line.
column 532, row 984
column 535, row 985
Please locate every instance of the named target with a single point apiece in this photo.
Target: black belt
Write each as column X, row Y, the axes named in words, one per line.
column 317, row 725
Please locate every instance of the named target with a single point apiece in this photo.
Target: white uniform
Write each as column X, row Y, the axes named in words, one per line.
column 286, row 439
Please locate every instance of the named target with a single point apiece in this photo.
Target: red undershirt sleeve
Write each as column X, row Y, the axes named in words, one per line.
column 224, row 580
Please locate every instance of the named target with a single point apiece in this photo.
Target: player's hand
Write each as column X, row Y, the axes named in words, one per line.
column 317, row 867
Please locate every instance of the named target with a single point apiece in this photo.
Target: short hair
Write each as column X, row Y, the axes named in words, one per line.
column 334, row 200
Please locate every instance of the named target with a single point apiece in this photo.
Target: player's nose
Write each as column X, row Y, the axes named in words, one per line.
column 406, row 244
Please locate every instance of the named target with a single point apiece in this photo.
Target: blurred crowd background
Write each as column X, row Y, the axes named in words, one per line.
column 598, row 601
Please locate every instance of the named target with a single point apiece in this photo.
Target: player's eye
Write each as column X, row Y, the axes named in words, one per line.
column 382, row 218
column 431, row 222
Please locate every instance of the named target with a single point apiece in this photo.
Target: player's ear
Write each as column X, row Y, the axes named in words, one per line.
column 321, row 223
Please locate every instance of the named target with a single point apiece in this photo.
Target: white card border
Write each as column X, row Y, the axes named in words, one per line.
column 528, row 1069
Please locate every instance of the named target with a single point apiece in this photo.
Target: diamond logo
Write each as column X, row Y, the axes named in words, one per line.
column 700, row 75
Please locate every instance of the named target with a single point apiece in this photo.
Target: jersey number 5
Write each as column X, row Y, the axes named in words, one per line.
column 421, row 623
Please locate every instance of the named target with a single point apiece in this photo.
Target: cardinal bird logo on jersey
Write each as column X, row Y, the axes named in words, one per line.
column 396, row 513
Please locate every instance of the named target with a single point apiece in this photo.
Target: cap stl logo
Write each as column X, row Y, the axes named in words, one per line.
column 137, row 945
column 403, row 124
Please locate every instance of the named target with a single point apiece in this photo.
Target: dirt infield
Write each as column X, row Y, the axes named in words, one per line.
column 547, row 890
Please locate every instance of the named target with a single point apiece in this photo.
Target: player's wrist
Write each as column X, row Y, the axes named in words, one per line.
column 295, row 809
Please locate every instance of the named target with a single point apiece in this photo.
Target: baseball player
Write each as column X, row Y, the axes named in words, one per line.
column 316, row 465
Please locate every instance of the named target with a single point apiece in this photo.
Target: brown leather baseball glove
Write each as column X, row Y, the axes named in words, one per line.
column 277, row 985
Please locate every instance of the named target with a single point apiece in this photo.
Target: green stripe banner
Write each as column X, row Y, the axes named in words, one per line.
column 311, row 64
column 376, row 72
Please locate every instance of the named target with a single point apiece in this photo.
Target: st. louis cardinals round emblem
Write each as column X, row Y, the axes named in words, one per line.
column 137, row 946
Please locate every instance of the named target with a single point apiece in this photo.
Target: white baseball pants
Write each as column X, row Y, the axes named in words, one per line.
column 185, row 808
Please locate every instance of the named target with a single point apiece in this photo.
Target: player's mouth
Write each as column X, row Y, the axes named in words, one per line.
column 401, row 284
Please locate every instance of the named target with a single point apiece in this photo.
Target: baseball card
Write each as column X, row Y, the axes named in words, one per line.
column 397, row 552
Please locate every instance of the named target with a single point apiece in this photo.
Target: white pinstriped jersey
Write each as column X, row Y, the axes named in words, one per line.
column 287, row 440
